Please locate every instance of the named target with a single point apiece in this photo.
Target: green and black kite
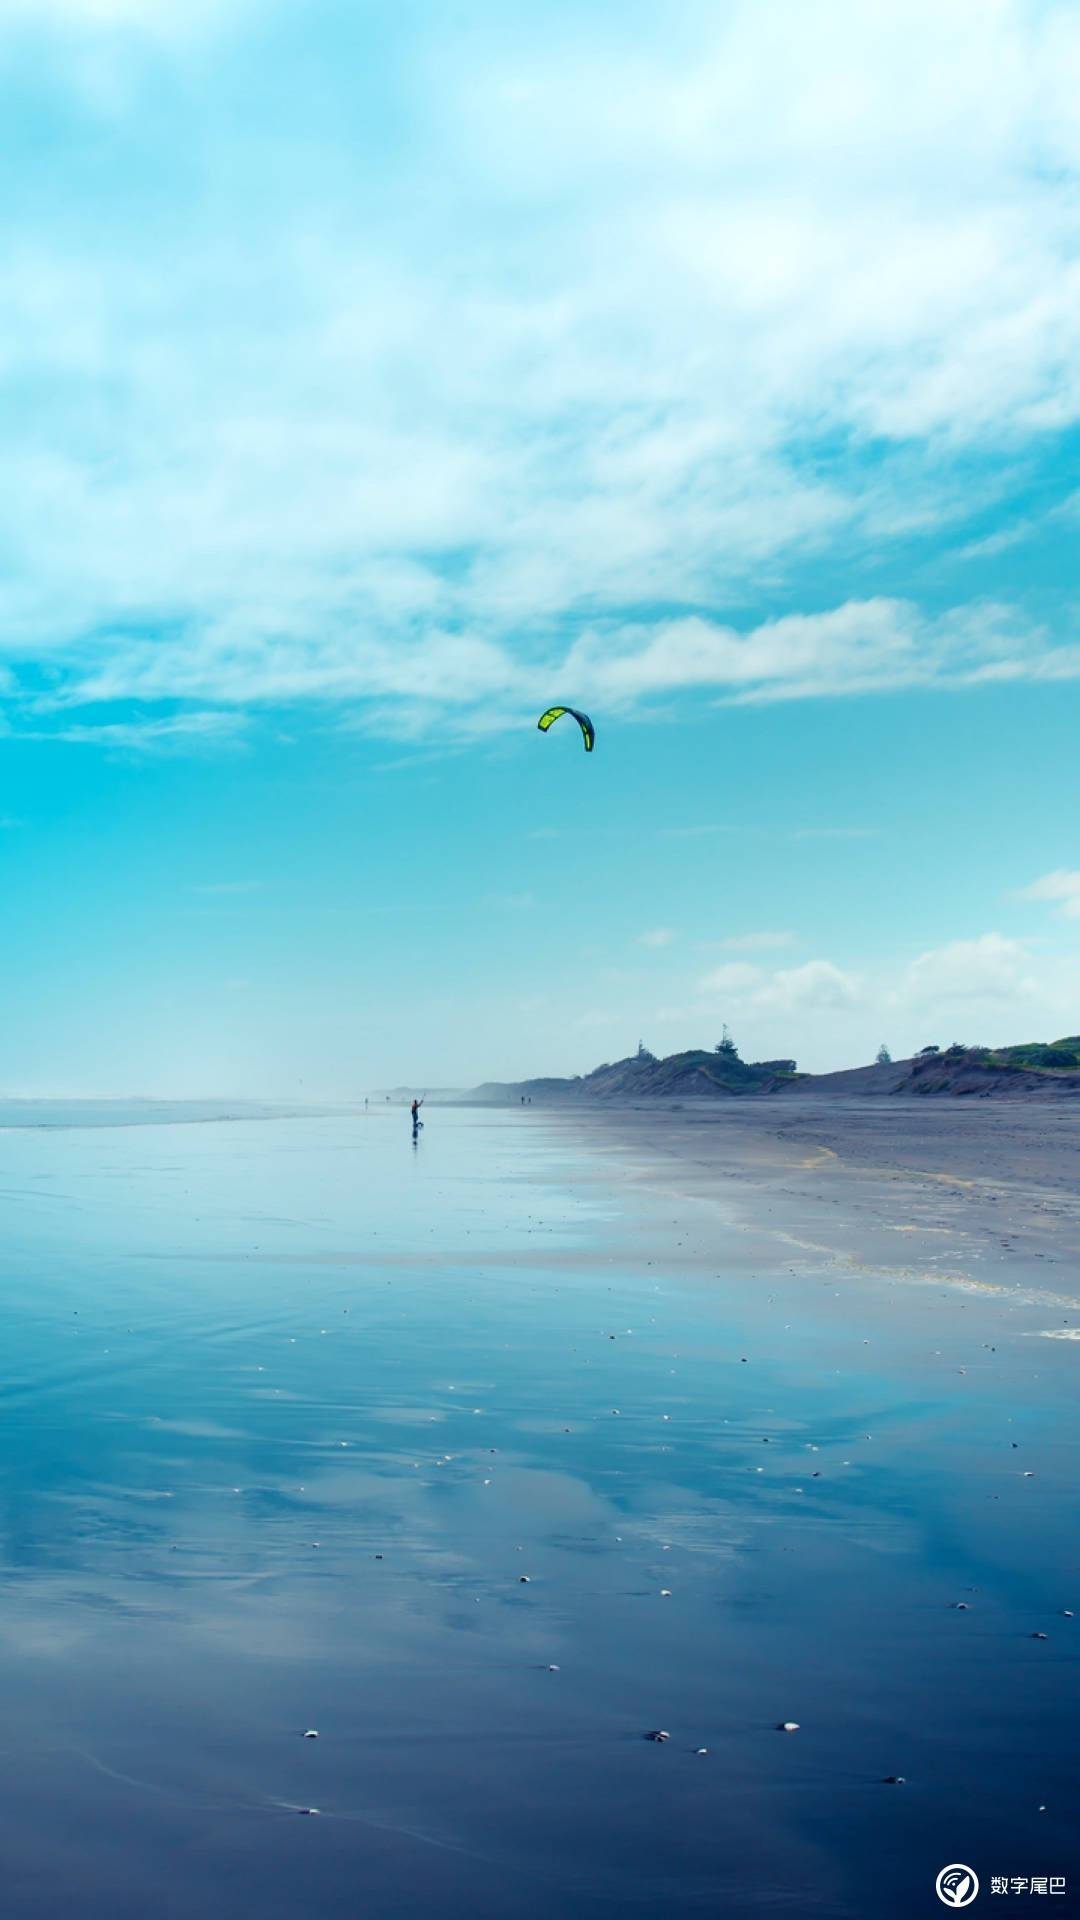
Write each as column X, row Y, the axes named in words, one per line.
column 588, row 731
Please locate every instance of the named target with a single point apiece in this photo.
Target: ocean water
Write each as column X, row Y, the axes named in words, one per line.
column 474, row 1461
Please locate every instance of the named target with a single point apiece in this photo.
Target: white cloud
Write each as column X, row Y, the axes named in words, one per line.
column 1062, row 887
column 598, row 320
column 989, row 969
column 862, row 646
column 818, row 984
column 656, row 937
column 987, row 990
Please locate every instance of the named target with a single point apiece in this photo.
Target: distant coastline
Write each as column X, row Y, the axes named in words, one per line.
column 1034, row 1070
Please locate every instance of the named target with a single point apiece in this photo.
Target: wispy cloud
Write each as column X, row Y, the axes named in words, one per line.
column 835, row 833
column 691, row 354
column 228, row 886
column 863, row 646
column 693, row 832
column 756, row 942
column 736, row 977
column 166, row 734
column 656, row 937
column 1061, row 888
column 153, row 19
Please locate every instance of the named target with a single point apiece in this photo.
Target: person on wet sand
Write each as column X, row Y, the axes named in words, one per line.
column 417, row 1123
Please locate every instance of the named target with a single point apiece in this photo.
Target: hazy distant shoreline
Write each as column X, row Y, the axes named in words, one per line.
column 19, row 1114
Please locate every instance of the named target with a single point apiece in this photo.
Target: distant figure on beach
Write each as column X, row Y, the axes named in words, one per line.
column 417, row 1123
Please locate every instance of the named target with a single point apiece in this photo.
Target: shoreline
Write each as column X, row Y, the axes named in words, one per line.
column 987, row 1201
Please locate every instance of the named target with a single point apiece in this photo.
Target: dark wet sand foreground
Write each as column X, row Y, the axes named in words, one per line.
column 485, row 1460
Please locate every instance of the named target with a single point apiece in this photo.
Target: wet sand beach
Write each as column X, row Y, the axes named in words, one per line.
column 986, row 1193
column 483, row 1461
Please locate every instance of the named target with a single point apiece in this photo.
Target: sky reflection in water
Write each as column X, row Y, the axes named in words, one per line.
column 288, row 1413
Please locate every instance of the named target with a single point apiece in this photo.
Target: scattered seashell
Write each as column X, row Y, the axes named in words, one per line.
column 658, row 1735
column 311, row 1734
column 788, row 1726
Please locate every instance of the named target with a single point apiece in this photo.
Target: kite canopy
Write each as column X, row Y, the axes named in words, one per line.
column 588, row 731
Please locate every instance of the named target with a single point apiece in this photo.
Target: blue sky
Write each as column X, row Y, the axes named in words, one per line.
column 371, row 377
